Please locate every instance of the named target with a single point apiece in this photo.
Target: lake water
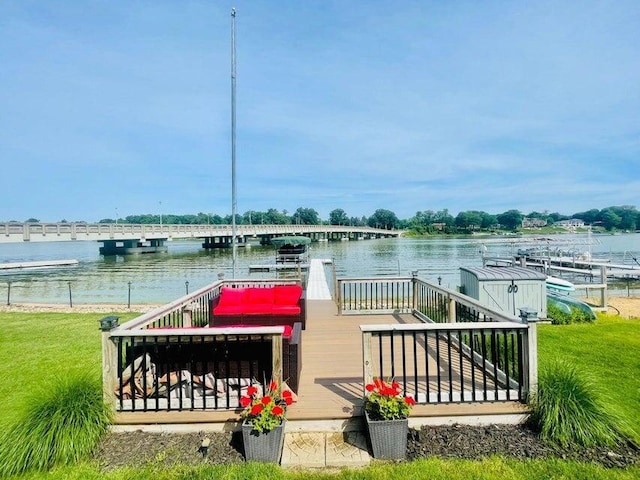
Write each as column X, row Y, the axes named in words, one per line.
column 159, row 278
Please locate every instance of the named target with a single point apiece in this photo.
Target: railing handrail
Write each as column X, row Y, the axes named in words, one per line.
column 413, row 327
column 374, row 279
column 452, row 294
column 156, row 313
column 199, row 331
column 152, row 315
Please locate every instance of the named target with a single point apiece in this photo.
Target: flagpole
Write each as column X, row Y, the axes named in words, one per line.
column 233, row 144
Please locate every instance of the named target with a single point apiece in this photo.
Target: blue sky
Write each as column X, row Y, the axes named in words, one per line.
column 359, row 105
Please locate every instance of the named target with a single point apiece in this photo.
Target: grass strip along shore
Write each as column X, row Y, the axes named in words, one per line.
column 41, row 351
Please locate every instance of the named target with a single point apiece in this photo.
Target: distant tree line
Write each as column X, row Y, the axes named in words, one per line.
column 424, row 222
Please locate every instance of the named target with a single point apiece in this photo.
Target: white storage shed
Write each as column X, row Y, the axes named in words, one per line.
column 506, row 288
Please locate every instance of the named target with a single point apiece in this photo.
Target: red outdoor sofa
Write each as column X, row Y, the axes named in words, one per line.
column 266, row 306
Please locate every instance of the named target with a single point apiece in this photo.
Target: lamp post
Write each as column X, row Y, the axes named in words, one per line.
column 116, row 215
column 233, row 143
column 160, row 203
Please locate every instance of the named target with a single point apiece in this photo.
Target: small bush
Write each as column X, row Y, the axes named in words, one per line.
column 566, row 411
column 559, row 317
column 60, row 426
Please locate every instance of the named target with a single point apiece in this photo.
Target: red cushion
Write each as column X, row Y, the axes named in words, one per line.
column 288, row 330
column 286, row 310
column 287, row 294
column 258, row 309
column 260, row 296
column 232, row 296
column 229, row 309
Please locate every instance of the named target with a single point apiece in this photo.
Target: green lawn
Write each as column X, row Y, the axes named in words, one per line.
column 608, row 352
column 37, row 349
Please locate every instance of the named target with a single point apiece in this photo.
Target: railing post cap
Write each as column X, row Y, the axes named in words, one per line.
column 108, row 323
column 528, row 314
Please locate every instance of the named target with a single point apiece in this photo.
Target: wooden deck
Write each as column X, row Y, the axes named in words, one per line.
column 331, row 382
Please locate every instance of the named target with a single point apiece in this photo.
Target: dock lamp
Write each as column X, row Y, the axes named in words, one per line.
column 109, row 323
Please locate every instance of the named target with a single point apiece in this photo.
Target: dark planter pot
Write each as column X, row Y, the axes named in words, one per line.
column 388, row 438
column 262, row 447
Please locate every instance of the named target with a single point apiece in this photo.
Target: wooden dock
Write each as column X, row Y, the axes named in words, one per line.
column 317, row 284
column 38, row 264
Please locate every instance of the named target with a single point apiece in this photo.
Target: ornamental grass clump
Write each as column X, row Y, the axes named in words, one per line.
column 384, row 401
column 265, row 412
column 61, row 426
column 566, row 411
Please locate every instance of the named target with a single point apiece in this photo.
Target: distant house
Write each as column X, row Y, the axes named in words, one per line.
column 533, row 222
column 570, row 223
column 439, row 225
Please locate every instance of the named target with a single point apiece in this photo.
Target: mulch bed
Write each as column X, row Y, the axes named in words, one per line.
column 510, row 441
column 457, row 441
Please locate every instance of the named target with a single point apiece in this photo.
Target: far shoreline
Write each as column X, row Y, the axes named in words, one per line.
column 627, row 307
column 78, row 308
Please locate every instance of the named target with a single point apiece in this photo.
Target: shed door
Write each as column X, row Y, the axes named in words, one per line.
column 509, row 296
column 500, row 295
column 532, row 294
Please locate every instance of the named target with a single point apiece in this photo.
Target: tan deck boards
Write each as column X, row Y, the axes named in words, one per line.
column 331, row 380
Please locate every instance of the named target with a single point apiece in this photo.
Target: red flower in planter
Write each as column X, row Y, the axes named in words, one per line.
column 266, row 412
column 384, row 401
column 256, row 409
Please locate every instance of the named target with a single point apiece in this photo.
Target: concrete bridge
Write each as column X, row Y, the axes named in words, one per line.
column 124, row 238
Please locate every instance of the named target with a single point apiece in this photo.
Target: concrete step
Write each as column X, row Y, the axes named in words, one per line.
column 325, row 449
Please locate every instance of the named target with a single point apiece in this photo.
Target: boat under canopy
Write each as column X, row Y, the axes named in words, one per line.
column 291, row 248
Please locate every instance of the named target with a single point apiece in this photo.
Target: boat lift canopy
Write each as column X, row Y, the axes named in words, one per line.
column 290, row 240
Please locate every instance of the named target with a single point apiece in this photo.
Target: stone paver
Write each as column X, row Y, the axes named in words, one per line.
column 347, row 449
column 325, row 449
column 304, row 449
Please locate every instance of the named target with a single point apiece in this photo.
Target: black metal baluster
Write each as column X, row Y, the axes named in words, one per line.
column 472, row 342
column 415, row 364
column 393, row 355
column 426, row 361
column 506, row 365
column 450, row 365
column 461, row 354
column 483, row 345
column 437, row 337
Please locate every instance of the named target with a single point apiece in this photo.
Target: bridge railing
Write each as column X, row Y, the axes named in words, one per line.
column 63, row 231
